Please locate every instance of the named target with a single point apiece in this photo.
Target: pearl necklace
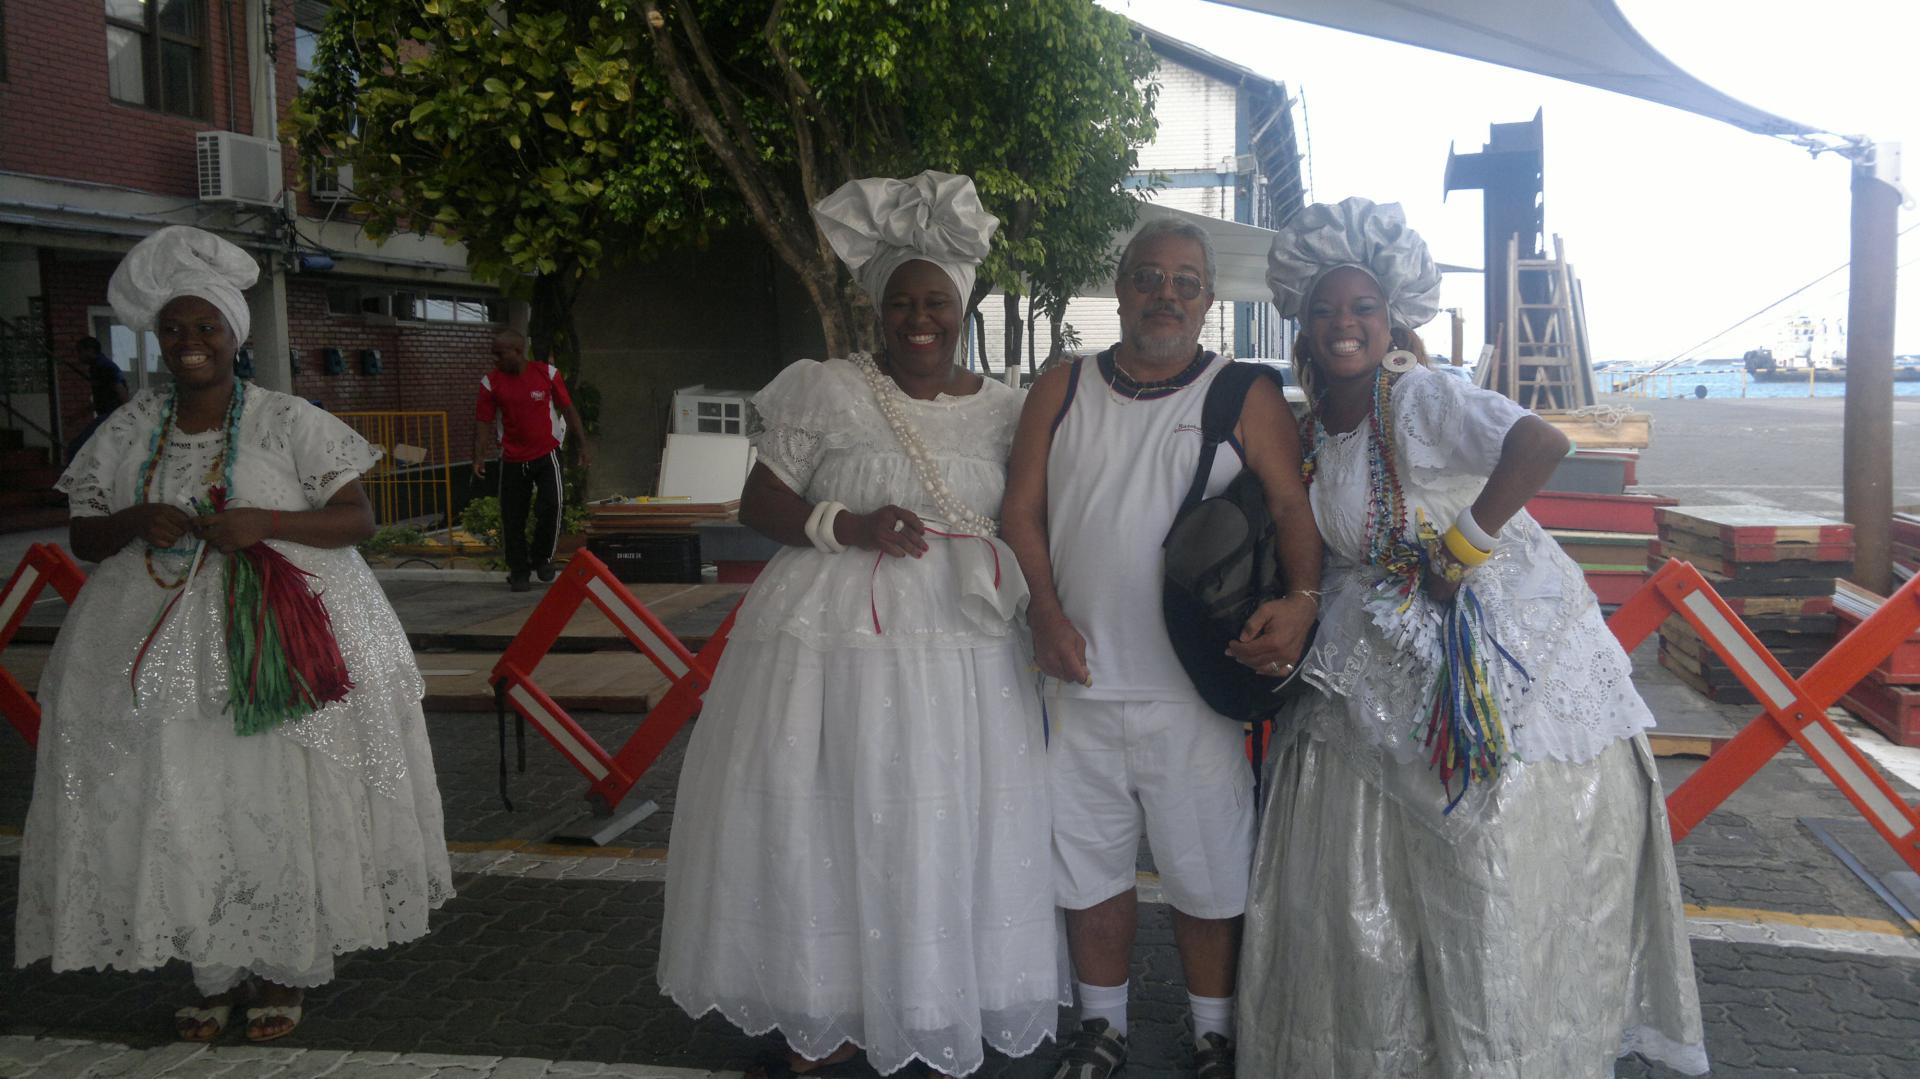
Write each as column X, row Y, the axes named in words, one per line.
column 887, row 394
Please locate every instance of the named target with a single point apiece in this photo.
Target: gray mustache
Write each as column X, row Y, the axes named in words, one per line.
column 1165, row 309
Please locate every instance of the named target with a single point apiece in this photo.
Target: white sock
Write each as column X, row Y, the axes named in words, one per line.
column 1107, row 1002
column 1211, row 1015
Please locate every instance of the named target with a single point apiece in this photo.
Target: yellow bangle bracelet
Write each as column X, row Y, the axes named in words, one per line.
column 1460, row 547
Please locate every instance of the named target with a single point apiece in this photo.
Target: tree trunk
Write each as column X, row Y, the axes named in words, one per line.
column 1054, row 321
column 1010, row 337
column 1033, row 319
column 552, row 336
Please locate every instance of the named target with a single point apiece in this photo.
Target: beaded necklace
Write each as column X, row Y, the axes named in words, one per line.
column 885, row 395
column 1389, row 544
column 1462, row 728
column 153, row 482
column 1179, row 380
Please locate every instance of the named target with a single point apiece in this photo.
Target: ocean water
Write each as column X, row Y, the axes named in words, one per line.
column 1728, row 382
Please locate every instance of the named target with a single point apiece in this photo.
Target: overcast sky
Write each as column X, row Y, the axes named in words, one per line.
column 1677, row 225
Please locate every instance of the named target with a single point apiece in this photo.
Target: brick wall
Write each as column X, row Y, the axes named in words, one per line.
column 426, row 366
column 56, row 118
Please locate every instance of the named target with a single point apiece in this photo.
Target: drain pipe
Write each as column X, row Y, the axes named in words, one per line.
column 226, row 31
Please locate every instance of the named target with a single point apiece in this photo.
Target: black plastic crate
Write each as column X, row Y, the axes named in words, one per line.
column 654, row 557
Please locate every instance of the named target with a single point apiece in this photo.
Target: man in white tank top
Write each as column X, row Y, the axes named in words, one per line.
column 1106, row 450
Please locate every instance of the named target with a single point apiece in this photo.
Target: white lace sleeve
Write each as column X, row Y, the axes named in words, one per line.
column 797, row 417
column 92, row 479
column 327, row 453
column 1448, row 425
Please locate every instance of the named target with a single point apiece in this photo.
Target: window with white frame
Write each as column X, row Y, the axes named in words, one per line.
column 157, row 54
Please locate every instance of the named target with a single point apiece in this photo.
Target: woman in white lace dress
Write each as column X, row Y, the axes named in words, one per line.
column 156, row 832
column 860, row 843
column 1512, row 908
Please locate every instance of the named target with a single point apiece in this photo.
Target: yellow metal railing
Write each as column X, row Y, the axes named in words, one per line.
column 413, row 480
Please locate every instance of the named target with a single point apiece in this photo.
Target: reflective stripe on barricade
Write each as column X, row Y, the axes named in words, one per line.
column 610, row 775
column 1796, row 709
column 45, row 564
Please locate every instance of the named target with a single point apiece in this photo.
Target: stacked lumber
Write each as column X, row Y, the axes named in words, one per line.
column 1906, row 544
column 618, row 517
column 1776, row 568
column 1888, row 698
column 1609, row 535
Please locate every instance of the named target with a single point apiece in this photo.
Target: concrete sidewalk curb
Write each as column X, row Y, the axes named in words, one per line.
column 22, row 1057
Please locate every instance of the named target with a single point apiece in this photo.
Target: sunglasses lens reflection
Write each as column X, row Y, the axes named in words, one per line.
column 1148, row 279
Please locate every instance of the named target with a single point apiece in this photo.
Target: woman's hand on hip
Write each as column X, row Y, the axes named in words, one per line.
column 891, row 530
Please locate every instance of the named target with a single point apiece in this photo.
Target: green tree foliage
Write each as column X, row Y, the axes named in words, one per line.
column 546, row 133
column 1043, row 103
column 512, row 129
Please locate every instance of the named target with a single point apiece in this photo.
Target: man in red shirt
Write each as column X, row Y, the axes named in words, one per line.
column 522, row 403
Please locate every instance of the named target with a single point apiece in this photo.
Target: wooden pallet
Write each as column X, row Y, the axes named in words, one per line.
column 1769, row 570
column 1755, row 526
column 1892, row 710
column 1779, row 588
column 1851, row 606
column 1597, row 513
column 1707, row 547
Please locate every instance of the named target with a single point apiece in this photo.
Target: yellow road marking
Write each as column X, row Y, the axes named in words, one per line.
column 1756, row 916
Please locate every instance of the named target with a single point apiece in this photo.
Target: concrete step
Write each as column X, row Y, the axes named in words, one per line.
column 36, row 457
column 39, row 477
column 12, row 500
column 30, row 518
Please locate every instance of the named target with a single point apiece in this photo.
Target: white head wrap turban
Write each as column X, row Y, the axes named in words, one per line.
column 877, row 225
column 183, row 261
column 1354, row 232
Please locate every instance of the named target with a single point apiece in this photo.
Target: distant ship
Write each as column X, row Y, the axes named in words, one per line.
column 1815, row 348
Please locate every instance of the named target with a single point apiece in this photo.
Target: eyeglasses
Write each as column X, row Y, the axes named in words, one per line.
column 1148, row 279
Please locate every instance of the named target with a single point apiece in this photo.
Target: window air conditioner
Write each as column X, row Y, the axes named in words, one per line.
column 238, row 168
column 332, row 183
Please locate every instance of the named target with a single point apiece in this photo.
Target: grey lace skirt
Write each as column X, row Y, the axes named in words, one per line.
column 1544, row 940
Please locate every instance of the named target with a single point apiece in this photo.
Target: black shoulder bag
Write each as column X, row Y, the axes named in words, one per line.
column 1221, row 562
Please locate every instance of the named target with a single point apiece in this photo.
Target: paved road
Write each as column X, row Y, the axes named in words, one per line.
column 1778, row 451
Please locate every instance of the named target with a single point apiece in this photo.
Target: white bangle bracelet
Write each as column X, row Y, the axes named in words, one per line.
column 1471, row 531
column 820, row 527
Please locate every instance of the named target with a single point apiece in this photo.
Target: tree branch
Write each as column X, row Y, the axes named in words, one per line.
column 764, row 199
column 804, row 104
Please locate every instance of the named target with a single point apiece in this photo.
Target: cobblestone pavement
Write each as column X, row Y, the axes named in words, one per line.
column 543, row 964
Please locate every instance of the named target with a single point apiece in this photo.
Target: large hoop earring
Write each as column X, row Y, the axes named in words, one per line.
column 1399, row 361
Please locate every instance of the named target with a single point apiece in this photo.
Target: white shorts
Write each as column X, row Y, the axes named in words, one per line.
column 1181, row 766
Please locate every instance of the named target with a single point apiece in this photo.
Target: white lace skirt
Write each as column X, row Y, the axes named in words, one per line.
column 1544, row 940
column 861, row 852
column 156, row 833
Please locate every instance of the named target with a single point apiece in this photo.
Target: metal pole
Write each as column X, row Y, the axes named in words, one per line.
column 1867, row 462
column 1459, row 336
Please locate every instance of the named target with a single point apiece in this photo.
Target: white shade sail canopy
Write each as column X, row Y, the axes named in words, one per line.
column 1583, row 41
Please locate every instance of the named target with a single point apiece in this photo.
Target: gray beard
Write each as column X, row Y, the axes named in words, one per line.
column 1164, row 349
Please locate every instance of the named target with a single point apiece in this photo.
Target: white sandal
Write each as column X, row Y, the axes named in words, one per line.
column 272, row 1011
column 217, row 1014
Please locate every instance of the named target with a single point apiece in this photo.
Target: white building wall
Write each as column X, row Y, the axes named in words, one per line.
column 1197, row 117
column 1196, row 114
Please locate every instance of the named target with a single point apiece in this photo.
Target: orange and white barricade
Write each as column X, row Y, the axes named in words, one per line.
column 1795, row 709
column 610, row 776
column 46, row 564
